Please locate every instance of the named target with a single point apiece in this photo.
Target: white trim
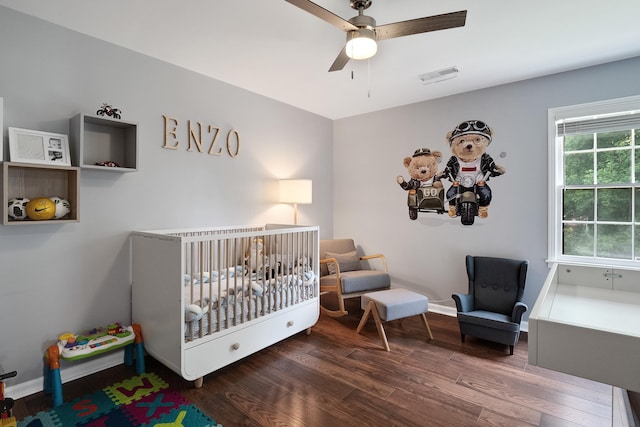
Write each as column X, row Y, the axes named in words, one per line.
column 451, row 311
column 443, row 309
column 608, row 106
column 68, row 372
column 555, row 169
column 554, row 227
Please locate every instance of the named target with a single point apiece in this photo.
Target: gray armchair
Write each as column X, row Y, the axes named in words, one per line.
column 493, row 308
column 343, row 274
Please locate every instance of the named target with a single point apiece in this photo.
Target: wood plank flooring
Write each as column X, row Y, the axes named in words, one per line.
column 335, row 377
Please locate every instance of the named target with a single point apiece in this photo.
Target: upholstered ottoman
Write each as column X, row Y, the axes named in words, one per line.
column 390, row 305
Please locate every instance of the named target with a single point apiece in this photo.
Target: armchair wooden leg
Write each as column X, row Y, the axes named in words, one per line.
column 511, row 350
column 341, row 311
column 341, row 304
column 462, row 337
column 333, row 313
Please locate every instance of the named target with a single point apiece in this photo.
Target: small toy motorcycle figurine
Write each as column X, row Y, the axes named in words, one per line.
column 109, row 111
column 6, row 403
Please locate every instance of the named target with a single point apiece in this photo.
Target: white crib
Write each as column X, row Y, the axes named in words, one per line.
column 206, row 298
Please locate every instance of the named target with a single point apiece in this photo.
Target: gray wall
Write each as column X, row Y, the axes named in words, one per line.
column 428, row 254
column 70, row 277
column 57, row 278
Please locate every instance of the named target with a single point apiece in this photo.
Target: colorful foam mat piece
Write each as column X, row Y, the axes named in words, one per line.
column 143, row 400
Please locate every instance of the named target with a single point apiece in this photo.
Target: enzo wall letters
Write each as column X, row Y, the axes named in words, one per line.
column 195, row 139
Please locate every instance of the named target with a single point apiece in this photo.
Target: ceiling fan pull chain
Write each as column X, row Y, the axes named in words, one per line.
column 368, row 78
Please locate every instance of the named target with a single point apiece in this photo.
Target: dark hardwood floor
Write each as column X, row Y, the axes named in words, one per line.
column 335, row 377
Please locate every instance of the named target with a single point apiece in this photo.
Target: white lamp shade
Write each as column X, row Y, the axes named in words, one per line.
column 361, row 44
column 295, row 191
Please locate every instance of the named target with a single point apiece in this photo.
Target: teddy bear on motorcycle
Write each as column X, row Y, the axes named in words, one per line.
column 469, row 168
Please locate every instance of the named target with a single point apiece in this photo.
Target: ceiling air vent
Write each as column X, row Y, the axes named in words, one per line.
column 439, row 75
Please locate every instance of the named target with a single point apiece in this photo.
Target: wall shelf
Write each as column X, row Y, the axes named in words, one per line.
column 35, row 180
column 100, row 139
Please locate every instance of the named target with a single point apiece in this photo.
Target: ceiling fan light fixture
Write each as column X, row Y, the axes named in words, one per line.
column 363, row 33
column 361, row 44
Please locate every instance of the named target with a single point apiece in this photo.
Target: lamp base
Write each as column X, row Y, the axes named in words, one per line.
column 295, row 214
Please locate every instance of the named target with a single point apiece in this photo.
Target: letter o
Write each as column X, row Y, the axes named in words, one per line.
column 237, row 137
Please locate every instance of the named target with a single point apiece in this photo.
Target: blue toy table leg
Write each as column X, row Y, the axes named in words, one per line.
column 56, row 387
column 52, row 380
column 128, row 355
column 139, row 358
column 47, row 376
column 139, row 349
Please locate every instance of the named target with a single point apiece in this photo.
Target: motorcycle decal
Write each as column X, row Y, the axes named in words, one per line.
column 468, row 169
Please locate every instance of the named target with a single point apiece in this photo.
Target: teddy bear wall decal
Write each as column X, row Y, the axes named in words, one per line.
column 426, row 193
column 468, row 169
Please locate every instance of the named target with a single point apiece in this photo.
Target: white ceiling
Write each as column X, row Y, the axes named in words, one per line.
column 276, row 49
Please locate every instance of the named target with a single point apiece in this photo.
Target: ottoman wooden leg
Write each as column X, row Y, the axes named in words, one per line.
column 365, row 316
column 424, row 320
column 372, row 309
column 378, row 320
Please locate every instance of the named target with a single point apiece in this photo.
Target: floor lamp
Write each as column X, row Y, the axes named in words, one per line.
column 296, row 191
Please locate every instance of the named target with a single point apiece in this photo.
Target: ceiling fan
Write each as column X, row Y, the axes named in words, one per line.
column 362, row 32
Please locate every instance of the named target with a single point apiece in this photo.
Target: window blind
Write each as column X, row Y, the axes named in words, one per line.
column 596, row 124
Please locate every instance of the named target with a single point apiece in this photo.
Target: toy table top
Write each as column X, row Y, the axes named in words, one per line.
column 94, row 342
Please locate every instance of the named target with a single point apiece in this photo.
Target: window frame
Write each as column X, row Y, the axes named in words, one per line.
column 556, row 178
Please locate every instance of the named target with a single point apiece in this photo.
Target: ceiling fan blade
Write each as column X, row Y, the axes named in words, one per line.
column 421, row 25
column 323, row 14
column 340, row 61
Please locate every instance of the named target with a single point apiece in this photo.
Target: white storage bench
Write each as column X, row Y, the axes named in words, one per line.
column 586, row 322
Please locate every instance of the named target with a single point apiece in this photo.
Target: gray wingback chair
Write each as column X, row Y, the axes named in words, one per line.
column 346, row 274
column 493, row 308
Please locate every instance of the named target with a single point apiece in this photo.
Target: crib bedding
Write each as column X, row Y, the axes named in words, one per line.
column 200, row 289
column 239, row 298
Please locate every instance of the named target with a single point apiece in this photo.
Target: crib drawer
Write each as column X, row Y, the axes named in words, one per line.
column 216, row 353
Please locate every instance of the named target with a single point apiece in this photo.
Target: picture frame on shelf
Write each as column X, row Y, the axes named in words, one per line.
column 32, row 146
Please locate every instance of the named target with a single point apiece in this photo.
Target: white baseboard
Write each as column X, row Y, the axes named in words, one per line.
column 69, row 371
column 443, row 309
column 451, row 311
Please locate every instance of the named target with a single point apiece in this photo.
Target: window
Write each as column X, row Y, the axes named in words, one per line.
column 594, row 195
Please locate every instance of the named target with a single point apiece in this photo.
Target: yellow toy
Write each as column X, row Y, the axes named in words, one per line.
column 41, row 208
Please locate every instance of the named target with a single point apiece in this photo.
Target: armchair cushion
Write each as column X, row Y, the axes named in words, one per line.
column 489, row 319
column 337, row 246
column 349, row 261
column 358, row 280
